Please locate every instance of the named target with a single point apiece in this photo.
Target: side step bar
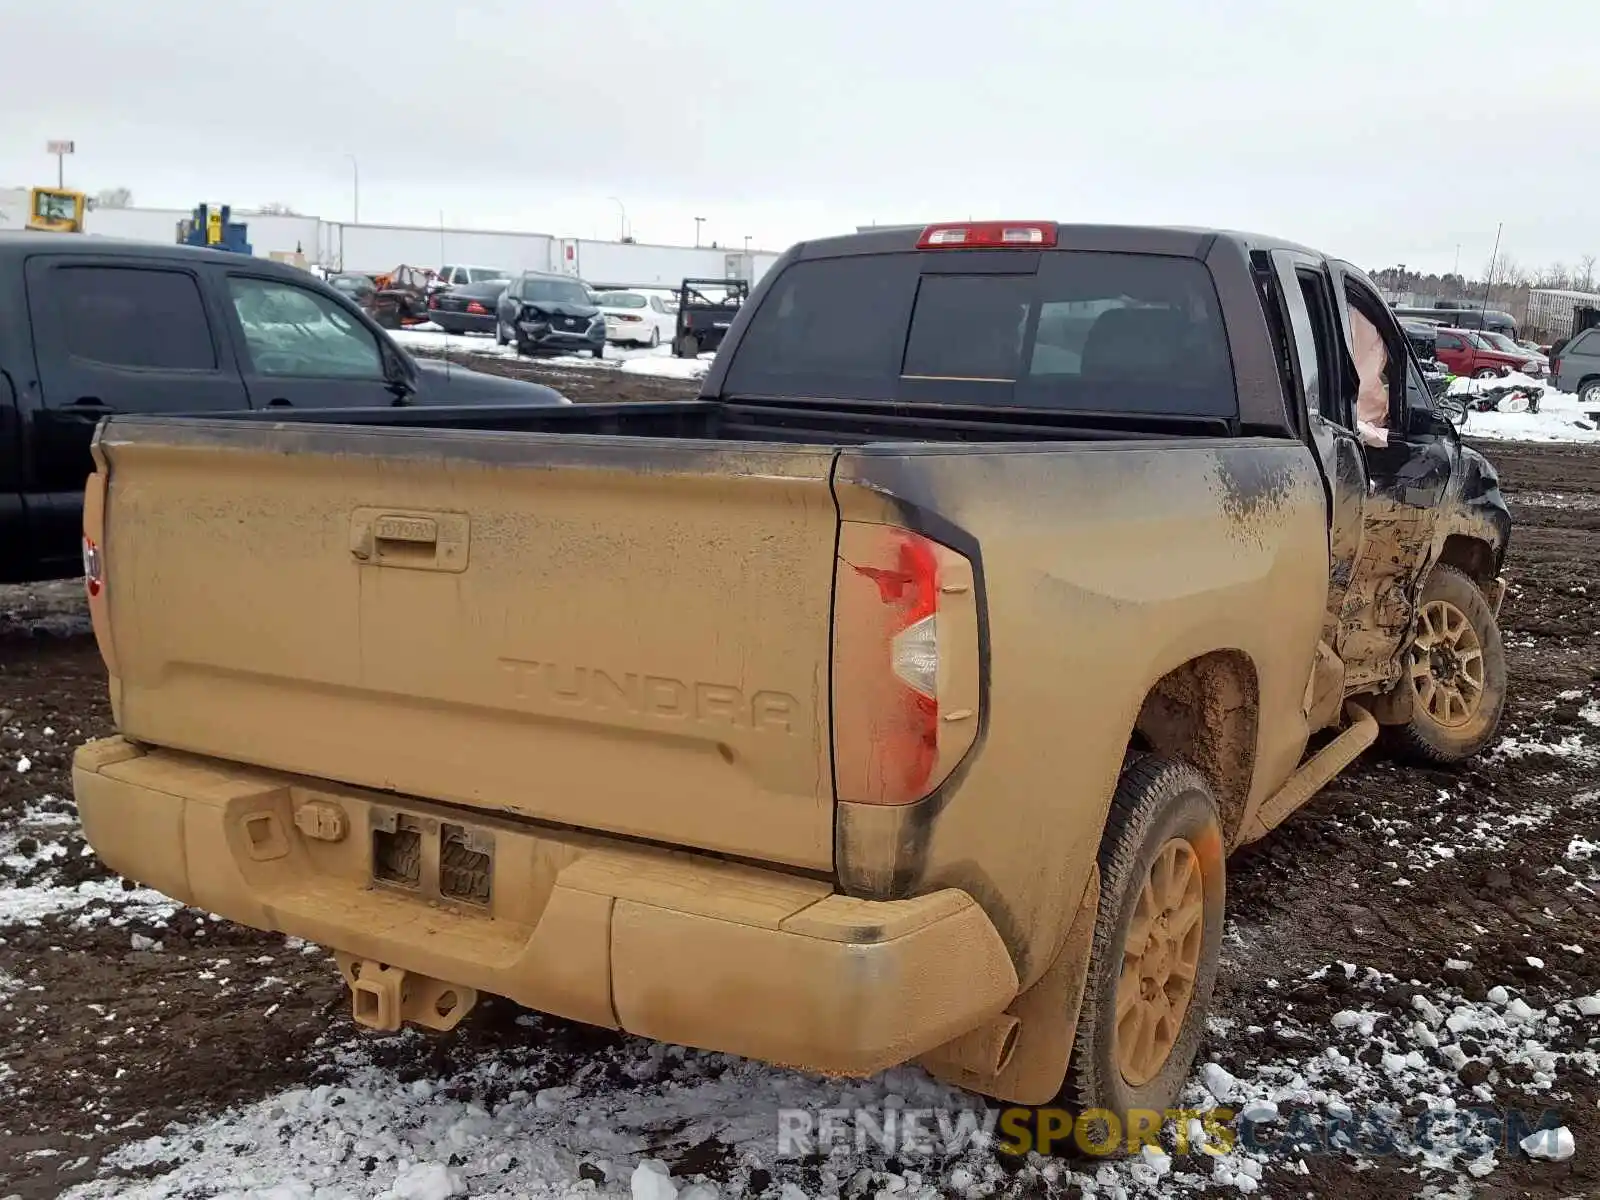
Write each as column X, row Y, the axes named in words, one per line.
column 1317, row 771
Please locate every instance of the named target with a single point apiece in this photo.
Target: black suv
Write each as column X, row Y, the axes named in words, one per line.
column 550, row 314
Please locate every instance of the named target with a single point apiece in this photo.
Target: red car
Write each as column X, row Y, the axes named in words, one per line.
column 1465, row 352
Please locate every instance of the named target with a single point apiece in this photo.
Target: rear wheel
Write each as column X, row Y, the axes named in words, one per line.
column 688, row 346
column 1455, row 672
column 1589, row 393
column 1156, row 941
column 1486, row 373
column 655, row 339
column 500, row 336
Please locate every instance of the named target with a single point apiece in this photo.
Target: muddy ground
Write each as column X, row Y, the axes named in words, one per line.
column 118, row 1017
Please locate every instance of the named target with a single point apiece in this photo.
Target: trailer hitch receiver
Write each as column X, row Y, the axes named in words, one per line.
column 385, row 997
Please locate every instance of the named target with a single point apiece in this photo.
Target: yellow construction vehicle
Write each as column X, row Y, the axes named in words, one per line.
column 56, row 210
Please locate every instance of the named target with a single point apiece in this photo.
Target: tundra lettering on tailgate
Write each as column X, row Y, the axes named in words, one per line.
column 660, row 696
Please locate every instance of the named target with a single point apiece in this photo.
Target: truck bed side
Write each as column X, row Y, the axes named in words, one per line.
column 1104, row 569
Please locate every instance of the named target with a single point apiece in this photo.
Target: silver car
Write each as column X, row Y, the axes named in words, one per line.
column 1577, row 368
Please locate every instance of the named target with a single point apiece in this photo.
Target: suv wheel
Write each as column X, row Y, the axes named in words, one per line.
column 500, row 336
column 1589, row 393
column 688, row 346
column 1156, row 941
column 1456, row 673
column 1486, row 373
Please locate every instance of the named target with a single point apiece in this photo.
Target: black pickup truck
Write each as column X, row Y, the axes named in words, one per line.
column 93, row 326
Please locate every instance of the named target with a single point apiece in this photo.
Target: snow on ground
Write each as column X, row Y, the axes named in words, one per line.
column 1559, row 418
column 36, row 884
column 659, row 362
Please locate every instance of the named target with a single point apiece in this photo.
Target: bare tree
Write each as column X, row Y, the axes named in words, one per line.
column 1555, row 275
column 117, row 197
column 276, row 208
column 1584, row 279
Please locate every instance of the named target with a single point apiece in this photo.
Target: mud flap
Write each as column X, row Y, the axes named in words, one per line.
column 385, row 997
column 1034, row 1065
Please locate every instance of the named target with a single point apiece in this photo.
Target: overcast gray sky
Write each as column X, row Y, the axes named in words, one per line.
column 1381, row 131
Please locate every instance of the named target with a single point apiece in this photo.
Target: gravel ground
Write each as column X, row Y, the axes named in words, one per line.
column 1412, row 942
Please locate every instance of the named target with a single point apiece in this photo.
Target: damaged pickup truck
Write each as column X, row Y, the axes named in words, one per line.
column 901, row 698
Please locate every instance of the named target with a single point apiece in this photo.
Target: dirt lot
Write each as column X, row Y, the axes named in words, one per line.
column 121, row 1015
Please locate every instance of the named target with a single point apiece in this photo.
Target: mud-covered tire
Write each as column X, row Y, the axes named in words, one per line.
column 1157, row 802
column 500, row 338
column 1425, row 737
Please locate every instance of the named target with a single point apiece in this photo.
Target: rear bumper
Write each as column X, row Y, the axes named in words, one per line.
column 669, row 945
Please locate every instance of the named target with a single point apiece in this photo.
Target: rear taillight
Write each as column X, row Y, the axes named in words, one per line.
column 94, row 562
column 93, row 568
column 475, row 307
column 433, row 301
column 905, row 664
column 988, row 235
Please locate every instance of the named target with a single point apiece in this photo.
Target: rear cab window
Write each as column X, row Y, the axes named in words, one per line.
column 1068, row 330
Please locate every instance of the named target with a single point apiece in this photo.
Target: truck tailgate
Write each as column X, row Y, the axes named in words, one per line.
column 626, row 635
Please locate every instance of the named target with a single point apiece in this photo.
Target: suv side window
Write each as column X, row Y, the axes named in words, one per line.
column 291, row 331
column 140, row 317
column 1447, row 341
column 1587, row 343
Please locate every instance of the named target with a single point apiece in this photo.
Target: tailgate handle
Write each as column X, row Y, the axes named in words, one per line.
column 420, row 541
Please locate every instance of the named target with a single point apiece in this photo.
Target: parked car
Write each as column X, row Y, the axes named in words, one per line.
column 1576, row 368
column 457, row 276
column 1462, row 317
column 360, row 288
column 1466, row 353
column 866, row 710
column 469, row 308
column 635, row 319
column 550, row 314
column 91, row 327
column 1507, row 345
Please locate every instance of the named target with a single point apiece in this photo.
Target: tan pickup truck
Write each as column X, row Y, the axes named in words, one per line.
column 899, row 699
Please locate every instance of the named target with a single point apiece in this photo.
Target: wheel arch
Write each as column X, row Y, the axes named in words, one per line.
column 1207, row 712
column 1473, row 556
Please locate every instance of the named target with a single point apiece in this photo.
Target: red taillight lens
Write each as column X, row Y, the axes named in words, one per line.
column 475, row 307
column 433, row 301
column 905, row 664
column 988, row 235
column 93, row 568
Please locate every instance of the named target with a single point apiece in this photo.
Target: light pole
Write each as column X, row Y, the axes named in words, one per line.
column 355, row 183
column 698, row 221
column 747, row 243
column 622, row 217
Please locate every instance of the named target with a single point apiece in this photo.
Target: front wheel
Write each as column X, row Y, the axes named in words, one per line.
column 1455, row 673
column 599, row 351
column 1157, row 937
